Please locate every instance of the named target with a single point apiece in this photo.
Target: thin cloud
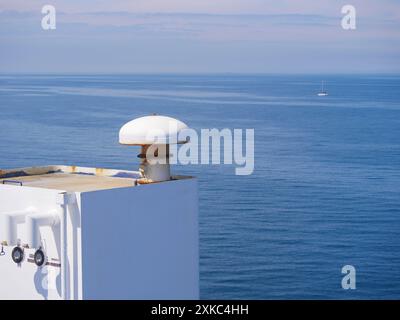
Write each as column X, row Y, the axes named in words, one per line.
column 192, row 35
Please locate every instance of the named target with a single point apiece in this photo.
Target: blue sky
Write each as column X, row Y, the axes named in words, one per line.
column 239, row 36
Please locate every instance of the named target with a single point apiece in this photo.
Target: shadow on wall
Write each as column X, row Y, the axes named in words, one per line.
column 44, row 282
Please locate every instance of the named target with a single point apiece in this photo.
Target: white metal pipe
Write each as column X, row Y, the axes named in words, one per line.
column 62, row 201
column 155, row 163
column 156, row 172
column 8, row 222
column 32, row 223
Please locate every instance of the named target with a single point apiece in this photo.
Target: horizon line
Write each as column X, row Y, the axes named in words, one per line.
column 197, row 73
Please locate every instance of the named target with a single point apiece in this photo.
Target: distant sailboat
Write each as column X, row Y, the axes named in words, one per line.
column 322, row 93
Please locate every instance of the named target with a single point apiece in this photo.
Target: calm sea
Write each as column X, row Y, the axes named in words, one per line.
column 326, row 188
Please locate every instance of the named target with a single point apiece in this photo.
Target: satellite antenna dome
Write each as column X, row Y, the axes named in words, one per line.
column 146, row 130
column 154, row 134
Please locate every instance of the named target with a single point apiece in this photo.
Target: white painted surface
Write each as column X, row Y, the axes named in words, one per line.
column 27, row 281
column 141, row 243
column 151, row 129
column 9, row 222
column 122, row 243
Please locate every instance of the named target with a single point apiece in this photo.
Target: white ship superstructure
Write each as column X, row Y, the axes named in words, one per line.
column 70, row 232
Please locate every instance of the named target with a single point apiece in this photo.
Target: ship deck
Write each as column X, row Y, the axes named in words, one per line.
column 69, row 178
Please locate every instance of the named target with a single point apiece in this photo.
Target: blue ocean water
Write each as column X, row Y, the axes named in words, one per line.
column 326, row 188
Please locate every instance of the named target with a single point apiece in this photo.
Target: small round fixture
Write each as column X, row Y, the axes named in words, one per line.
column 17, row 255
column 39, row 257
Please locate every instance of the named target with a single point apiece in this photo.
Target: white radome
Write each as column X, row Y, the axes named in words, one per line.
column 149, row 129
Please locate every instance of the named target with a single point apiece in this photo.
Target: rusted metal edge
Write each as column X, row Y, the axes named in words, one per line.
column 32, row 171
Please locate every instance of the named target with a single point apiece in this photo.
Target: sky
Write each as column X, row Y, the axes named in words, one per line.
column 200, row 36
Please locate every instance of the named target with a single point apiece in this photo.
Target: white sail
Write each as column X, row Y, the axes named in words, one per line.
column 322, row 93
